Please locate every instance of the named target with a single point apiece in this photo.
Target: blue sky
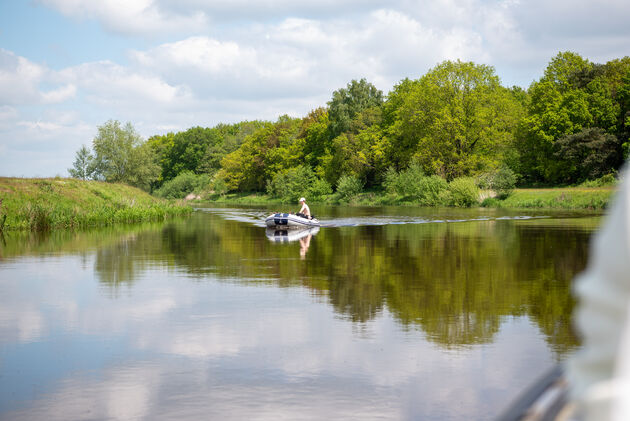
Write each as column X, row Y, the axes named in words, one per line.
column 67, row 66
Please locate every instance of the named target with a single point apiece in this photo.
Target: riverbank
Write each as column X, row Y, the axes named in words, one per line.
column 593, row 198
column 589, row 198
column 41, row 204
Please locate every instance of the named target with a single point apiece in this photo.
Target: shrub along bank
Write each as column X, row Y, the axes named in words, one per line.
column 46, row 203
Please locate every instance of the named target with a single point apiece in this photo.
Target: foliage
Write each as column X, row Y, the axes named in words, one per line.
column 272, row 148
column 319, row 189
column 404, row 183
column 347, row 103
column 456, row 120
column 186, row 182
column 348, row 187
column 219, row 186
column 296, row 182
column 462, row 192
column 412, row 184
column 120, row 156
column 573, row 96
column 503, row 181
column 291, row 184
column 603, row 181
column 83, row 167
column 589, row 154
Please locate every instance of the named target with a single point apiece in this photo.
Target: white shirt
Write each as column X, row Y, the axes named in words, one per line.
column 305, row 209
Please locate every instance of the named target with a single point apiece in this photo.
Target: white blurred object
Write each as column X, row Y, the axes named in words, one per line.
column 599, row 375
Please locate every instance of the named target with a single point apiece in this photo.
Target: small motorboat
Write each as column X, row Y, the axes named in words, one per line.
column 288, row 236
column 285, row 221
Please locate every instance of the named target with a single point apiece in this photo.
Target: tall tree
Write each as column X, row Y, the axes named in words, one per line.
column 588, row 154
column 121, row 156
column 83, row 164
column 573, row 95
column 347, row 102
column 272, row 148
column 456, row 120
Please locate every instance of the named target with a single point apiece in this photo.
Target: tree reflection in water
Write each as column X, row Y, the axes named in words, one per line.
column 455, row 282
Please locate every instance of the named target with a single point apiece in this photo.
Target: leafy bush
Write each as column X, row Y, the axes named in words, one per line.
column 490, row 202
column 319, row 189
column 406, row 183
column 219, row 186
column 186, row 182
column 349, row 186
column 462, row 192
column 291, row 184
column 503, row 182
column 606, row 180
column 391, row 182
column 431, row 190
column 412, row 184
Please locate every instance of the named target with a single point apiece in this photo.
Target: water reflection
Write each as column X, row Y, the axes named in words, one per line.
column 290, row 235
column 208, row 318
column 454, row 281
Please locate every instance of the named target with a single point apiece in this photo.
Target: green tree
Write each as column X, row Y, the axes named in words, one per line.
column 347, row 102
column 589, row 154
column 457, row 120
column 291, row 184
column 272, row 148
column 121, row 156
column 624, row 114
column 83, row 164
column 317, row 142
column 573, row 95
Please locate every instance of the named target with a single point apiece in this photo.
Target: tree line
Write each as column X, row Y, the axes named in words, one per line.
column 456, row 121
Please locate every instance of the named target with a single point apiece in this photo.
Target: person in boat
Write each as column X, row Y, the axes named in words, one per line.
column 304, row 212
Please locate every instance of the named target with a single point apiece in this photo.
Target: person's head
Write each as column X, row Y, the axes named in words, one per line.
column 302, row 200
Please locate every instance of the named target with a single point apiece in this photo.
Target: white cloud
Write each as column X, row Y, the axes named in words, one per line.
column 130, row 17
column 7, row 116
column 109, row 83
column 19, row 79
column 60, row 94
column 21, row 82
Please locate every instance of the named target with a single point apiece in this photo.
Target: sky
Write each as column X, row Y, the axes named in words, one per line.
column 68, row 66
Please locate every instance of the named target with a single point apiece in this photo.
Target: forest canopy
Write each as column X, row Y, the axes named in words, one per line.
column 455, row 121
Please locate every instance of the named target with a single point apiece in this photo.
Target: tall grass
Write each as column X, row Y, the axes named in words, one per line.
column 556, row 198
column 47, row 204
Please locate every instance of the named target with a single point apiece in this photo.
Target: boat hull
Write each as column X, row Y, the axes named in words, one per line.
column 289, row 221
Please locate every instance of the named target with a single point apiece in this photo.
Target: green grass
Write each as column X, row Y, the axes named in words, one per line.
column 594, row 198
column 588, row 198
column 42, row 204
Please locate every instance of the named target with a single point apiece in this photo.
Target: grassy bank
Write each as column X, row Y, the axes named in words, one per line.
column 40, row 204
column 594, row 198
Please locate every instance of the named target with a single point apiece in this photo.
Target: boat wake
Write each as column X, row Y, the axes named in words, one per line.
column 257, row 218
column 403, row 220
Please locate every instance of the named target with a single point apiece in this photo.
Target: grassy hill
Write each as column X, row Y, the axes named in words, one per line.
column 41, row 204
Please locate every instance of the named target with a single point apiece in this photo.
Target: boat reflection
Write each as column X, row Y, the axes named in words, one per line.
column 290, row 235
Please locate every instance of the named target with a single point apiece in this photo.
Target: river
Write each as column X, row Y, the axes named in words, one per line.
column 383, row 313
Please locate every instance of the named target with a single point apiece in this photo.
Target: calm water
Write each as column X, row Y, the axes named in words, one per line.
column 389, row 313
